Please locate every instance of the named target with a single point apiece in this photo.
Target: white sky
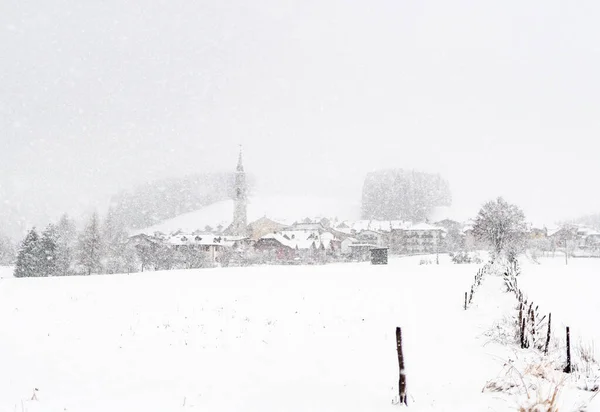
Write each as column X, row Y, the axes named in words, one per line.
column 501, row 99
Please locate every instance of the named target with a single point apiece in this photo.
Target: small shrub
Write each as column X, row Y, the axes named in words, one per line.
column 504, row 331
column 585, row 367
column 461, row 258
column 543, row 403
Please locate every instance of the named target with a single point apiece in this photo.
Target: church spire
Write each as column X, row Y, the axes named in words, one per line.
column 240, row 165
column 239, row 226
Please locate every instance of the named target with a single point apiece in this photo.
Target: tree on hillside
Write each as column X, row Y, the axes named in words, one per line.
column 29, row 257
column 7, row 251
column 503, row 226
column 116, row 254
column 66, row 243
column 89, row 249
column 49, row 251
column 403, row 194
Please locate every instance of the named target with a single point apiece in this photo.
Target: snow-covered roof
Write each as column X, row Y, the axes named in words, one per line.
column 424, row 227
column 300, row 239
column 307, row 226
column 374, row 225
column 588, row 231
column 346, row 231
column 189, row 239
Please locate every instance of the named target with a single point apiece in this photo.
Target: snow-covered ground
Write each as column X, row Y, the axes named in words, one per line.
column 266, row 338
column 570, row 292
column 6, row 271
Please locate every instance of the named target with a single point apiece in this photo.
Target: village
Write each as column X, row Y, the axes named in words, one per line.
column 320, row 240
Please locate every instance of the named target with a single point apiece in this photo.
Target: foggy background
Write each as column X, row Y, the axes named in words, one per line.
column 500, row 99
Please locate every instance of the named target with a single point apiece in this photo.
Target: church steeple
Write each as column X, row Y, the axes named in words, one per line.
column 240, row 165
column 239, row 226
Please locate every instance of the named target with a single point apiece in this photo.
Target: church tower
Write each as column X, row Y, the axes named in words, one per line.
column 240, row 202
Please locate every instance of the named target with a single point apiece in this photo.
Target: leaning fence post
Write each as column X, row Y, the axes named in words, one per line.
column 523, row 334
column 548, row 335
column 402, row 381
column 568, row 367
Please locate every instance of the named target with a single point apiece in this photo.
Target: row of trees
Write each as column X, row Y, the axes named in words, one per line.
column 100, row 247
column 61, row 250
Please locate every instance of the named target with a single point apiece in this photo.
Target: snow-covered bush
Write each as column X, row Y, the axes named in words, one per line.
column 466, row 257
column 586, row 369
column 460, row 257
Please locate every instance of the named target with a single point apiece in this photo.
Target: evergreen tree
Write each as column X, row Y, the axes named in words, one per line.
column 49, row 251
column 89, row 250
column 29, row 257
column 7, row 251
column 117, row 256
column 130, row 258
column 66, row 243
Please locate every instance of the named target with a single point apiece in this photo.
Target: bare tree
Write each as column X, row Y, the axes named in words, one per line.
column 7, row 251
column 501, row 225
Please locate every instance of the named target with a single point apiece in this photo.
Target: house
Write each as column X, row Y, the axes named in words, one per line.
column 417, row 239
column 424, row 238
column 331, row 244
column 143, row 240
column 371, row 237
column 275, row 247
column 263, row 226
column 345, row 245
column 202, row 247
column 298, row 245
column 342, row 225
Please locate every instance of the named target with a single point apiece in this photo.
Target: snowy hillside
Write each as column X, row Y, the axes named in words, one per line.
column 283, row 209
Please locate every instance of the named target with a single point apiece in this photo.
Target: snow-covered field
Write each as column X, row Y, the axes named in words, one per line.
column 570, row 292
column 270, row 338
column 6, row 271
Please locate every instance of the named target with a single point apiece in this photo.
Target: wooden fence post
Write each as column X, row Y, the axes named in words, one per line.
column 466, row 293
column 548, row 335
column 402, row 381
column 521, row 319
column 568, row 367
column 533, row 327
column 523, row 333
